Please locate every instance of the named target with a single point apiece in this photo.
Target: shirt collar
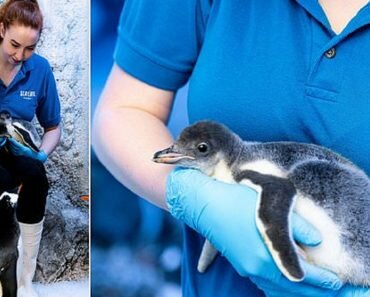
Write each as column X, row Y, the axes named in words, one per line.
column 28, row 65
column 314, row 8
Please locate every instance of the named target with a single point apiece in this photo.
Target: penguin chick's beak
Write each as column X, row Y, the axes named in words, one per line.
column 169, row 156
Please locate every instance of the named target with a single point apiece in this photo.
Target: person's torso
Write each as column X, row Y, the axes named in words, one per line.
column 22, row 95
column 276, row 72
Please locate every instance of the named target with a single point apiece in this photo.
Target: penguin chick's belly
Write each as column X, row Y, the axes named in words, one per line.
column 330, row 253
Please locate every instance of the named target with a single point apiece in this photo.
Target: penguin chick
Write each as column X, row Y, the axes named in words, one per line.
column 15, row 129
column 326, row 189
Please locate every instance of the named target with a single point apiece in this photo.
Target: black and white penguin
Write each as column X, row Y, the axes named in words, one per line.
column 17, row 130
column 9, row 235
column 326, row 189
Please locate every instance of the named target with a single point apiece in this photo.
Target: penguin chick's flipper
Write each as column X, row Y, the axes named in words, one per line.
column 272, row 217
column 207, row 256
column 24, row 136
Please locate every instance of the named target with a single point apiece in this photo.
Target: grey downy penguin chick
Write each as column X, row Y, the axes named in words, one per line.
column 17, row 129
column 326, row 189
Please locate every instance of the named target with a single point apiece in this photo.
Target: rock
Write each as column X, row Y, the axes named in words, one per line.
column 64, row 250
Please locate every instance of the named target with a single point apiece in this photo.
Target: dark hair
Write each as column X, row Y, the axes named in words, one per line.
column 22, row 12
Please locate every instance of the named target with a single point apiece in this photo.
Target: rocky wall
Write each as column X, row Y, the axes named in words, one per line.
column 65, row 43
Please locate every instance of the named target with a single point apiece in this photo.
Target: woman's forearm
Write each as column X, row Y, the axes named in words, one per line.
column 124, row 141
column 129, row 127
column 50, row 140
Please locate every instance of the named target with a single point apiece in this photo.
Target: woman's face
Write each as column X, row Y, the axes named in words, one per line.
column 19, row 43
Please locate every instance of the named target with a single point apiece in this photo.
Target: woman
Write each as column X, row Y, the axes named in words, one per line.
column 271, row 71
column 27, row 88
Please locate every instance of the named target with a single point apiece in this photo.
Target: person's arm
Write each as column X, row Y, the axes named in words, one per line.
column 50, row 140
column 129, row 126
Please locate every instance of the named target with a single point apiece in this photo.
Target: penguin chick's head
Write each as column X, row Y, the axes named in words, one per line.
column 200, row 146
column 5, row 119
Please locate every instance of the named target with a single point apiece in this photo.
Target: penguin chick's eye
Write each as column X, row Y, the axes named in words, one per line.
column 202, row 147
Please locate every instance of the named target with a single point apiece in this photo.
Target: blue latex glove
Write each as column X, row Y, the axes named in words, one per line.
column 289, row 289
column 351, row 291
column 19, row 149
column 2, row 141
column 225, row 215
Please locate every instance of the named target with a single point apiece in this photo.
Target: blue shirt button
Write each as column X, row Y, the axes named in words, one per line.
column 330, row 53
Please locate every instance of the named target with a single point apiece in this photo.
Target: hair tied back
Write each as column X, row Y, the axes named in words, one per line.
column 23, row 12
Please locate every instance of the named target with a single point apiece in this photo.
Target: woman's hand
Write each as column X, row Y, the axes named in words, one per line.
column 225, row 215
column 19, row 149
column 290, row 289
column 2, row 140
column 352, row 291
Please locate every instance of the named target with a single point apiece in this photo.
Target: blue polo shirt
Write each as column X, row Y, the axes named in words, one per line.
column 32, row 92
column 270, row 70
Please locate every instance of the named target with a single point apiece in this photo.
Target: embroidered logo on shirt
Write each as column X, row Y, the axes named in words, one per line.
column 27, row 95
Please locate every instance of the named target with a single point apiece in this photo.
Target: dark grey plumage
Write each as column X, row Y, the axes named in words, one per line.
column 20, row 130
column 9, row 234
column 326, row 189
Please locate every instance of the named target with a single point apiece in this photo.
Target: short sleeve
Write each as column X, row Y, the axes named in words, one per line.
column 48, row 108
column 159, row 41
